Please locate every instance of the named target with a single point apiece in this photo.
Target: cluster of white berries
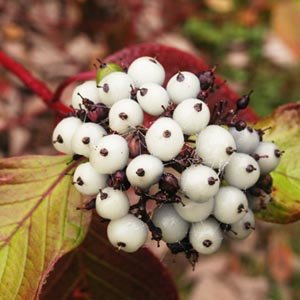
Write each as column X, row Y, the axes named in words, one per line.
column 204, row 188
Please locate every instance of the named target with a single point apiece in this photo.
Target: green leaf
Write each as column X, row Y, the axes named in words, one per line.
column 96, row 270
column 285, row 132
column 39, row 222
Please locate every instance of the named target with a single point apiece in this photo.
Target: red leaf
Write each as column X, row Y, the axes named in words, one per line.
column 175, row 60
column 96, row 270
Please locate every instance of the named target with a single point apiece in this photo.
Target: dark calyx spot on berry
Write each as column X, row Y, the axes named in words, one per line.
column 85, row 140
column 250, row 168
column 248, row 226
column 198, row 107
column 241, row 208
column 59, row 139
column 240, row 125
column 250, row 129
column 105, row 88
column 258, row 157
column 140, row 172
column 79, row 181
column 121, row 245
column 123, row 116
column 212, row 181
column 230, row 150
column 180, row 77
column 153, row 60
column 207, row 243
column 103, row 152
column 143, row 91
column 167, row 133
column 278, row 153
column 103, row 195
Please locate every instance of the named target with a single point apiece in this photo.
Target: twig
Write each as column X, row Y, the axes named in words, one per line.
column 34, row 84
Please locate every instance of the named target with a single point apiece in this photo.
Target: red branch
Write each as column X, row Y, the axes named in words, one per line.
column 34, row 84
column 78, row 77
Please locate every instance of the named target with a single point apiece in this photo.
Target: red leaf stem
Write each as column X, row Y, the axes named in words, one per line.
column 34, row 84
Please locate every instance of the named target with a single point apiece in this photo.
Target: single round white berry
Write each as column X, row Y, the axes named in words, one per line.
column 242, row 171
column 164, row 139
column 86, row 137
column 246, row 140
column 112, row 203
column 153, row 98
column 63, row 134
column 230, row 205
column 144, row 170
column 242, row 228
column 173, row 227
column 194, row 211
column 183, row 85
column 110, row 154
column 115, row 87
column 87, row 181
column 127, row 233
column 206, row 236
column 87, row 90
column 125, row 115
column 199, row 183
column 215, row 145
column 268, row 156
column 146, row 69
column 192, row 115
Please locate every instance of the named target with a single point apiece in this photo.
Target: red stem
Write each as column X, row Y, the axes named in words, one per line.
column 34, row 84
column 78, row 77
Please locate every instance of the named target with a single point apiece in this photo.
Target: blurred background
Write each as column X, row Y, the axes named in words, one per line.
column 254, row 44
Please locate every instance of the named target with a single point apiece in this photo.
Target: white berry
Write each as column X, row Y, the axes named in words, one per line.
column 206, row 236
column 153, row 98
column 242, row 228
column 110, row 154
column 192, row 115
column 215, row 146
column 268, row 156
column 87, row 181
column 86, row 137
column 63, row 134
column 242, row 171
column 144, row 170
column 112, row 204
column 199, row 183
column 173, row 227
column 146, row 69
column 183, row 85
column 194, row 211
column 115, row 87
column 127, row 233
column 124, row 115
column 246, row 140
column 86, row 90
column 164, row 139
column 230, row 205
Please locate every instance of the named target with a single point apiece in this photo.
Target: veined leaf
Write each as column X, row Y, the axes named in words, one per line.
column 96, row 270
column 285, row 132
column 39, row 222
